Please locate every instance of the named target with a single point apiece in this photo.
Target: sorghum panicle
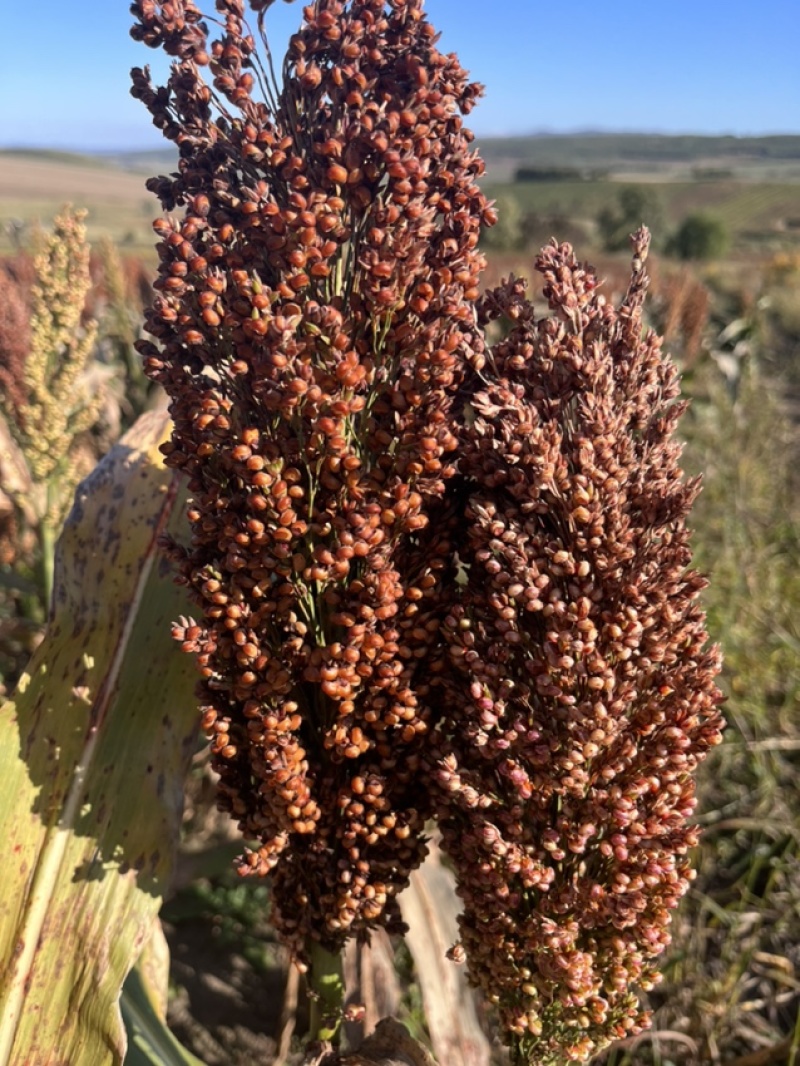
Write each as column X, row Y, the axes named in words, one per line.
column 315, row 320
column 59, row 405
column 581, row 693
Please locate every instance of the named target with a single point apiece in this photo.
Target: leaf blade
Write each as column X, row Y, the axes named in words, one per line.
column 94, row 767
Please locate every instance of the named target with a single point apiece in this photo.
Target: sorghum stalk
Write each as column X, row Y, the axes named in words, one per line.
column 581, row 694
column 326, row 978
column 314, row 322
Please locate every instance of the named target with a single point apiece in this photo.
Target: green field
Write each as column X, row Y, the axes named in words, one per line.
column 624, row 155
column 764, row 217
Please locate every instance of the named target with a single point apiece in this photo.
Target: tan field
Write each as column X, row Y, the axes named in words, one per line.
column 33, row 190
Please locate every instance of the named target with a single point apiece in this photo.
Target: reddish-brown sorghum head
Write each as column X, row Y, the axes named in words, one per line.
column 580, row 697
column 315, row 319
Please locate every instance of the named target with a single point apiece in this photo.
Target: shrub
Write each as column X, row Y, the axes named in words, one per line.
column 507, row 233
column 636, row 205
column 699, row 236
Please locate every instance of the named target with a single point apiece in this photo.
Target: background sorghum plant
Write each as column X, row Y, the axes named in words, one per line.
column 581, row 694
column 314, row 321
column 49, row 401
column 57, row 405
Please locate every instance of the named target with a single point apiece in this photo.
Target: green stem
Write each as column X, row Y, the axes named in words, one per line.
column 326, row 985
column 47, row 540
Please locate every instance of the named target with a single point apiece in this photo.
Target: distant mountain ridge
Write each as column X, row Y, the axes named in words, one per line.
column 609, row 151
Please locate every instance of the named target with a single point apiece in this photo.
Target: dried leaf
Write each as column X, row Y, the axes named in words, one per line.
column 391, row 1045
column 430, row 908
column 15, row 477
column 371, row 981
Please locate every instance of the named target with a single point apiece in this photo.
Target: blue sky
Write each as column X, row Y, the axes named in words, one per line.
column 683, row 66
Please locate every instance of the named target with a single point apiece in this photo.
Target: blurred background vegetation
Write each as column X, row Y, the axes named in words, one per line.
column 725, row 294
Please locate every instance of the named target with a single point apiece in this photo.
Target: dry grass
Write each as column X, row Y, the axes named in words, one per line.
column 731, row 993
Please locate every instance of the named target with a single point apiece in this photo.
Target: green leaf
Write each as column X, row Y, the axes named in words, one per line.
column 94, row 749
column 152, row 967
column 150, row 1043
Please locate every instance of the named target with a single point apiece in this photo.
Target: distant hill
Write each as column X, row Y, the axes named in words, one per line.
column 615, row 153
column 52, row 155
column 149, row 161
column 34, row 186
column 642, row 153
column 607, row 148
column 752, row 158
